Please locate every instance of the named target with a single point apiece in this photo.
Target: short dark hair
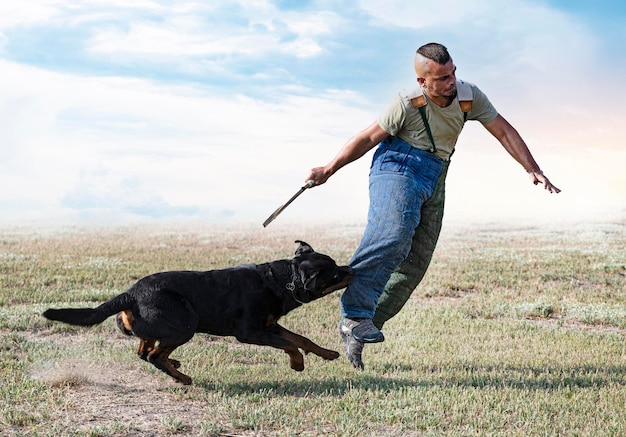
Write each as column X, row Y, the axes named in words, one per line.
column 435, row 52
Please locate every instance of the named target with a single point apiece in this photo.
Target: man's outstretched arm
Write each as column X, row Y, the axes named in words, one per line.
column 517, row 148
column 355, row 148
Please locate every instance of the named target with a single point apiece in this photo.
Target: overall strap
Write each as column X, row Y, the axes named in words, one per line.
column 422, row 110
column 418, row 101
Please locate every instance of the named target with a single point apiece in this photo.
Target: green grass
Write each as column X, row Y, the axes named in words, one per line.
column 512, row 332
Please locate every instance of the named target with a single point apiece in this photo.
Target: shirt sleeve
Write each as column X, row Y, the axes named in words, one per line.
column 392, row 118
column 482, row 109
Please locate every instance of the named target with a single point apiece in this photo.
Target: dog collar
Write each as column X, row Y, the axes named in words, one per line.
column 295, row 281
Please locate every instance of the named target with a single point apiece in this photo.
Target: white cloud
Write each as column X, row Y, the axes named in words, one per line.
column 191, row 31
column 27, row 12
column 154, row 39
column 426, row 13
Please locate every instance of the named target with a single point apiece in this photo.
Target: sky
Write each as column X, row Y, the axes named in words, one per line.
column 118, row 112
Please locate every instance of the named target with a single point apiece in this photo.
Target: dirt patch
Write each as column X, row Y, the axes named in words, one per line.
column 118, row 399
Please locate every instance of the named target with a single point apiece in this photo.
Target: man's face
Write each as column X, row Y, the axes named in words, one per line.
column 440, row 81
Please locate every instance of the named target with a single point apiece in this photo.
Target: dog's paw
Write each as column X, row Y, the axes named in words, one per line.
column 296, row 360
column 298, row 367
column 182, row 379
column 330, row 355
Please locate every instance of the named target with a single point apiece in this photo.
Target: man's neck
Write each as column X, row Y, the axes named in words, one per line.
column 441, row 101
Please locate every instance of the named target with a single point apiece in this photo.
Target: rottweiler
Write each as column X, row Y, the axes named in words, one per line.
column 166, row 309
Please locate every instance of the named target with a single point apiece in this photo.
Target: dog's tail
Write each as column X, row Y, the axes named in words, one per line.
column 90, row 316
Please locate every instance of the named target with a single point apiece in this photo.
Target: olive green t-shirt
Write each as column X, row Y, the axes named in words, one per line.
column 401, row 120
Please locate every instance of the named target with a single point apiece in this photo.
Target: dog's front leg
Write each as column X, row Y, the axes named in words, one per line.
column 305, row 344
column 266, row 338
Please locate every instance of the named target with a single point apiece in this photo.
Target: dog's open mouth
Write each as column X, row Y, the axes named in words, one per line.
column 344, row 276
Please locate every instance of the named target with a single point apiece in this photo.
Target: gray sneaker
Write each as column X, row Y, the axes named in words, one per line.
column 365, row 331
column 353, row 348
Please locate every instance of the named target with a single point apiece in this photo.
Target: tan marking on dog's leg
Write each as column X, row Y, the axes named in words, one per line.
column 127, row 319
column 160, row 359
column 145, row 347
column 124, row 321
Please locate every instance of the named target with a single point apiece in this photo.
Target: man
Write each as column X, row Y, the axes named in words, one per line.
column 416, row 135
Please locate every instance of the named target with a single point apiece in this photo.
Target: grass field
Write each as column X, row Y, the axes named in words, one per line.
column 513, row 332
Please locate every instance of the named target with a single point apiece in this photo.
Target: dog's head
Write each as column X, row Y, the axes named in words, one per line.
column 319, row 273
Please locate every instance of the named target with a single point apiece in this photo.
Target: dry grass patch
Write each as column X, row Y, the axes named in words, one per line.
column 512, row 332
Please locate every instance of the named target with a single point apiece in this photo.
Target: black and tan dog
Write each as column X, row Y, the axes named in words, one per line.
column 166, row 309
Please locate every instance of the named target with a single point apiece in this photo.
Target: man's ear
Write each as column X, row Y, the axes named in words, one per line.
column 303, row 248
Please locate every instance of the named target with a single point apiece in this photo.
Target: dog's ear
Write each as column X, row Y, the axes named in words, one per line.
column 303, row 248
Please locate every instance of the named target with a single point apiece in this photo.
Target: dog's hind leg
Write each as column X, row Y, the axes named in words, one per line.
column 172, row 323
column 159, row 357
column 296, row 360
column 304, row 343
column 146, row 346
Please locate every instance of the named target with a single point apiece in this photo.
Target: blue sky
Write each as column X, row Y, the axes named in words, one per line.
column 127, row 111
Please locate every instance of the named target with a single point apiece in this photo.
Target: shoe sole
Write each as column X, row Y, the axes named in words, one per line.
column 354, row 359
